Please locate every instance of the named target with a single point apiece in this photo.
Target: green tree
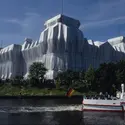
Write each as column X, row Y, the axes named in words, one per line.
column 120, row 73
column 18, row 80
column 78, row 81
column 67, row 79
column 89, row 78
column 37, row 72
column 57, row 83
column 60, row 80
column 106, row 77
column 64, row 79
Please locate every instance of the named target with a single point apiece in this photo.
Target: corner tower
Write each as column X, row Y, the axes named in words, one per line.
column 62, row 43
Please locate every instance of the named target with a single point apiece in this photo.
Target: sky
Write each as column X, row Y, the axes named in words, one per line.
column 100, row 19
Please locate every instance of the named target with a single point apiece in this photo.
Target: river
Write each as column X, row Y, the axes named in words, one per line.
column 53, row 112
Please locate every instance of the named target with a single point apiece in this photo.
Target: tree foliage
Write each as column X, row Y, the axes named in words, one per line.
column 107, row 78
column 67, row 79
column 37, row 70
column 89, row 78
column 120, row 72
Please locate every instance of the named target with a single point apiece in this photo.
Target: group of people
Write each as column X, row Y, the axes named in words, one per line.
column 101, row 96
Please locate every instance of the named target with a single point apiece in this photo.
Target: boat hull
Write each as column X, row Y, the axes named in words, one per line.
column 102, row 108
column 103, row 105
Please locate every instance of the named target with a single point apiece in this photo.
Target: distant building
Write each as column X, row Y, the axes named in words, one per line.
column 61, row 46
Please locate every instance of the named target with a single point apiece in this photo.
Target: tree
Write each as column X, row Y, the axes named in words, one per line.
column 66, row 79
column 18, row 80
column 78, row 81
column 37, row 72
column 106, row 77
column 89, row 78
column 120, row 73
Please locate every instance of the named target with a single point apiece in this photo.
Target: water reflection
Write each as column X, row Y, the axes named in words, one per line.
column 103, row 118
column 3, row 118
column 39, row 102
column 62, row 118
column 53, row 112
column 46, row 118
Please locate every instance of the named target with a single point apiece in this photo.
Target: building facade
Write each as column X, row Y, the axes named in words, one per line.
column 61, row 46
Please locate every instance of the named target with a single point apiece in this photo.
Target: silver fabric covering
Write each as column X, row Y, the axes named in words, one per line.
column 61, row 46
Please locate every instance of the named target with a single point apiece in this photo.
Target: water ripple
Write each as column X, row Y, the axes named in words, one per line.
column 40, row 109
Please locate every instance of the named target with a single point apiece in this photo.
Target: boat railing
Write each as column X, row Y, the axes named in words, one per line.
column 106, row 96
column 98, row 97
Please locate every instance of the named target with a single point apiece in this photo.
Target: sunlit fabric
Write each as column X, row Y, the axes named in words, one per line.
column 61, row 46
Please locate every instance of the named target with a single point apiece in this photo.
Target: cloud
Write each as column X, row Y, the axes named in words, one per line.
column 30, row 17
column 103, row 23
column 32, row 14
column 12, row 21
column 31, row 25
column 93, row 14
column 105, row 9
column 104, row 13
column 8, row 39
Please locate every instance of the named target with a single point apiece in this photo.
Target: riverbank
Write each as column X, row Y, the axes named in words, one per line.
column 42, row 97
column 10, row 91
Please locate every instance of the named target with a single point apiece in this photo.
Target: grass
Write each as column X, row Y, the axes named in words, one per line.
column 9, row 90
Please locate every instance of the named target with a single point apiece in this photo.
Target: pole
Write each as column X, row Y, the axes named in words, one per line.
column 1, row 43
column 62, row 7
column 119, row 29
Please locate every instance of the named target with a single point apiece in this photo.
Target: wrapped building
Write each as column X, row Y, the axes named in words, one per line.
column 61, row 46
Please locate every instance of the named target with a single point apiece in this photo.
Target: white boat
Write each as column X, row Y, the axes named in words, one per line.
column 117, row 105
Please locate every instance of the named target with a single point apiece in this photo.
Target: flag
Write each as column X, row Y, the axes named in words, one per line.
column 70, row 92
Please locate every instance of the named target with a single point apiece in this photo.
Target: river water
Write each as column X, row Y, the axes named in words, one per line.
column 53, row 112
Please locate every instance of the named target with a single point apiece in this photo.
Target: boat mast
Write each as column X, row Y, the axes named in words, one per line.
column 122, row 88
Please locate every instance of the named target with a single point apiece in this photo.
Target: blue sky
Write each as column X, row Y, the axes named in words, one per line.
column 100, row 19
